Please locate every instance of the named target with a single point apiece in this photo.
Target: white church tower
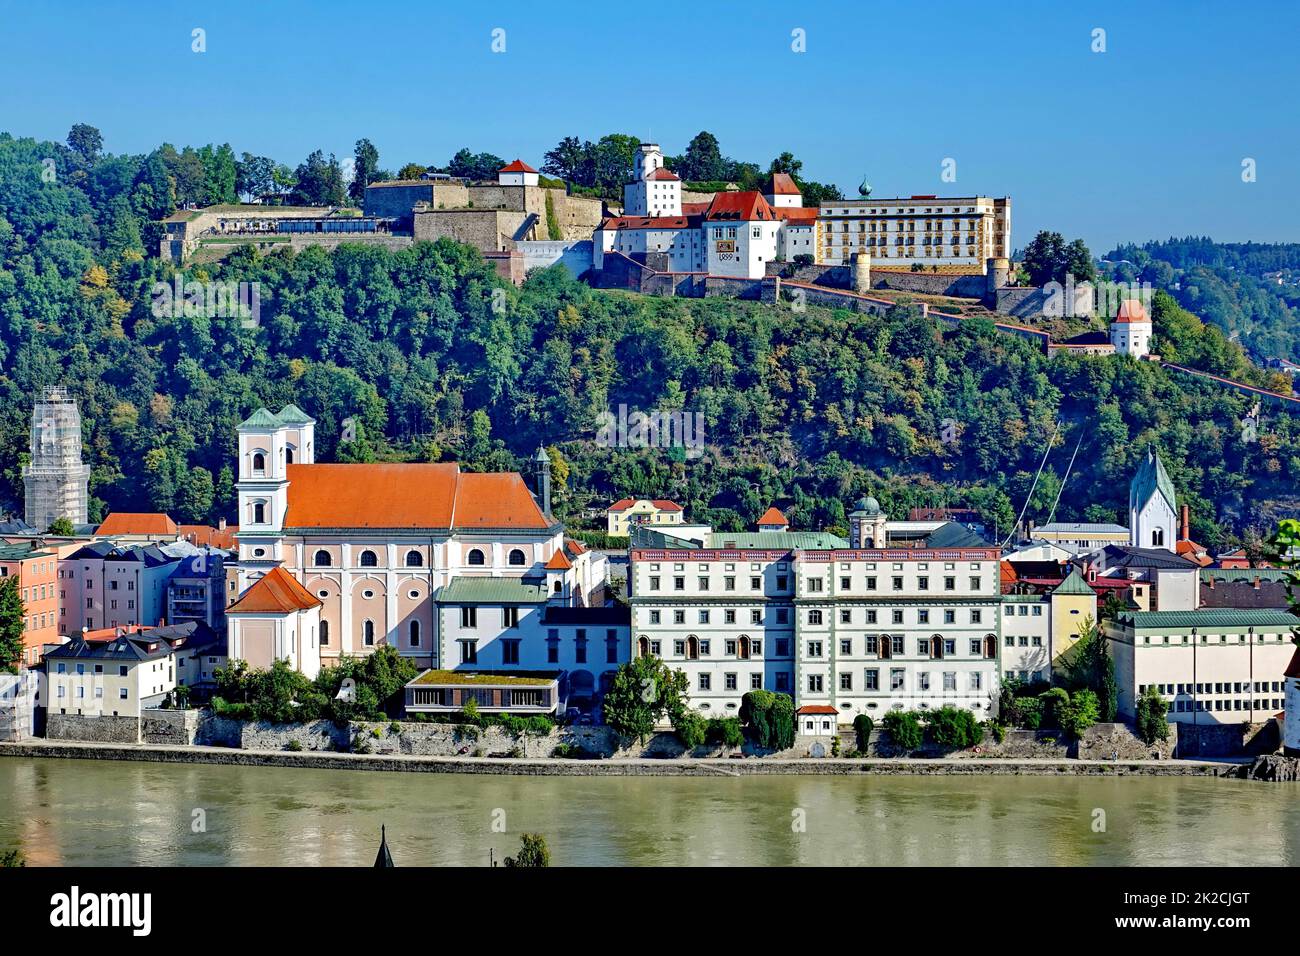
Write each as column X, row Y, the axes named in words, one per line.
column 1152, row 511
column 268, row 446
column 655, row 191
column 1131, row 330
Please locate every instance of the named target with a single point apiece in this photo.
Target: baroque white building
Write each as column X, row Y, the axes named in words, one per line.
column 903, row 616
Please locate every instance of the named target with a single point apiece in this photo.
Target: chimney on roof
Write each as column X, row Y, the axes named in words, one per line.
column 221, row 524
column 1186, row 527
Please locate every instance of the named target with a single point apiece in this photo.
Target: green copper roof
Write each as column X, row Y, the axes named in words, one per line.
column 293, row 415
column 775, row 540
column 260, row 419
column 464, row 590
column 1244, row 574
column 1151, row 478
column 1074, row 584
column 1224, row 617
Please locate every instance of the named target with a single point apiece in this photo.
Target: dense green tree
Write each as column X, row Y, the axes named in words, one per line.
column 11, row 623
column 702, row 159
column 365, row 168
column 533, row 852
column 645, row 691
column 86, row 141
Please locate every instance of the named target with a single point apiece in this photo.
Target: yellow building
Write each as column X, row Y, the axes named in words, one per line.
column 623, row 515
column 948, row 233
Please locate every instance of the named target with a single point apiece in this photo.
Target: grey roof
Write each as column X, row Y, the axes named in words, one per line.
column 1080, row 527
column 1125, row 556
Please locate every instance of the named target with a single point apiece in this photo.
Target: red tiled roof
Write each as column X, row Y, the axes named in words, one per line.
column 417, row 495
column 816, row 709
column 798, row 214
column 574, row 548
column 651, row 222
column 518, row 166
column 131, row 522
column 558, row 562
column 662, row 173
column 1132, row 310
column 663, row 504
column 781, row 184
column 694, row 208
column 206, row 536
column 772, row 516
column 746, row 206
column 277, row 592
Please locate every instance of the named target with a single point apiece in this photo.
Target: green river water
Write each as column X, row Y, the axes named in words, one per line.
column 82, row 812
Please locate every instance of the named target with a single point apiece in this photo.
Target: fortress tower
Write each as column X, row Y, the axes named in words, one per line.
column 1130, row 333
column 55, row 482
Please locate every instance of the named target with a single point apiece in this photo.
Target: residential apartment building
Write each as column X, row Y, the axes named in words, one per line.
column 196, row 590
column 951, row 233
column 1213, row 666
column 104, row 584
column 111, row 672
column 36, row 569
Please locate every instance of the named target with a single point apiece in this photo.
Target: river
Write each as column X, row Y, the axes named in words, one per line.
column 118, row 813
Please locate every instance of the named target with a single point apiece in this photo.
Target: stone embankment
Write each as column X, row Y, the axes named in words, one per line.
column 638, row 766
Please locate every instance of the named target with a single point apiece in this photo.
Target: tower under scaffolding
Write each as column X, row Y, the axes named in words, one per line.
column 55, row 483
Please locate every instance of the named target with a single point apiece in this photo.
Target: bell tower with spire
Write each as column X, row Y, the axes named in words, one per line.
column 1152, row 507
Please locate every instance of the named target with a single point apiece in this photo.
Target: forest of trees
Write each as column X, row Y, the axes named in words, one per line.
column 1224, row 283
column 808, row 409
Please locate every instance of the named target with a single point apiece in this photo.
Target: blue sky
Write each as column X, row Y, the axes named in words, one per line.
column 1145, row 140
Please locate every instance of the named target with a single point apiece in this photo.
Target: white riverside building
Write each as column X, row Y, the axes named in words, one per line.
column 904, row 616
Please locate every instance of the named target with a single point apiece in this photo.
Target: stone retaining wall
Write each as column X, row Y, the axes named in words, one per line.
column 632, row 768
column 159, row 726
column 117, row 730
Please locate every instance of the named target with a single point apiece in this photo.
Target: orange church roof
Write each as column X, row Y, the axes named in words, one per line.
column 278, row 592
column 1132, row 310
column 417, row 495
column 772, row 516
column 137, row 522
column 558, row 562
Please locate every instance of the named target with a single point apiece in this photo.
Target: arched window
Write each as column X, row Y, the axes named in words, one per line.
column 322, row 559
column 692, row 647
column 288, row 456
column 259, row 512
column 557, row 587
column 476, row 557
column 517, row 557
column 415, row 633
column 368, row 633
column 369, row 559
column 414, row 559
column 259, row 463
column 642, row 646
column 324, row 633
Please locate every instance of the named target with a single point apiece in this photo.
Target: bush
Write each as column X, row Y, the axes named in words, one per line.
column 769, row 716
column 690, row 728
column 904, row 729
column 804, row 259
column 294, row 745
column 1150, row 712
column 394, row 728
column 953, row 728
column 999, row 732
column 1054, row 702
column 725, row 731
column 1080, row 713
column 1030, row 711
column 862, row 726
